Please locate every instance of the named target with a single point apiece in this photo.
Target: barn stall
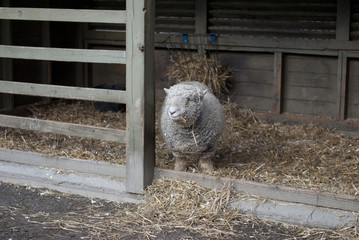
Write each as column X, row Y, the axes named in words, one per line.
column 290, row 66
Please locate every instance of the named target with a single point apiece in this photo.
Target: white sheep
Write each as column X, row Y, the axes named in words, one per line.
column 191, row 121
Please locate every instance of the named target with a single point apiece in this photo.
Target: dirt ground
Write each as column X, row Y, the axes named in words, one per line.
column 36, row 213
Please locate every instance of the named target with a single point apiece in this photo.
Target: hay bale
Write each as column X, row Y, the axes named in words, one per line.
column 208, row 71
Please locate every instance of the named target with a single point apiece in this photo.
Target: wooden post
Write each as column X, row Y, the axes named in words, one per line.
column 201, row 24
column 341, row 85
column 343, row 20
column 277, row 82
column 201, row 16
column 7, row 100
column 140, row 94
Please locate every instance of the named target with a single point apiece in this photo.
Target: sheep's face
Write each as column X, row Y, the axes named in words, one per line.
column 185, row 104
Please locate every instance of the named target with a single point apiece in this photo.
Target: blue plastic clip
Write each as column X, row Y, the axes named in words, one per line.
column 213, row 38
column 185, row 37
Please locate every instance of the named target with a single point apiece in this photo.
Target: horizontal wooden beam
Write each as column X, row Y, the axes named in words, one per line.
column 99, row 166
column 71, row 129
column 63, row 54
column 322, row 47
column 54, row 91
column 271, row 191
column 63, row 15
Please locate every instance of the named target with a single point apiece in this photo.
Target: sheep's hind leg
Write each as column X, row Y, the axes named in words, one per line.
column 206, row 164
column 180, row 163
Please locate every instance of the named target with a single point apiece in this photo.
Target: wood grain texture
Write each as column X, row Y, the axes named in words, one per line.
column 63, row 15
column 140, row 95
column 310, row 85
column 63, row 54
column 55, row 91
column 70, row 129
column 271, row 191
column 353, row 88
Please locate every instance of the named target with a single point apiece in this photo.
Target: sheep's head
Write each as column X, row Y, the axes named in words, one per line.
column 184, row 104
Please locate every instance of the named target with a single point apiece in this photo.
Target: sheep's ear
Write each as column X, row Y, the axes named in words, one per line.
column 166, row 90
column 202, row 93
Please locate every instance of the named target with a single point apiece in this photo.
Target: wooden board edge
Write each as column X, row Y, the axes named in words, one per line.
column 70, row 164
column 270, row 191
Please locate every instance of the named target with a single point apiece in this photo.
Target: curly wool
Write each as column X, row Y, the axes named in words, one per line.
column 200, row 124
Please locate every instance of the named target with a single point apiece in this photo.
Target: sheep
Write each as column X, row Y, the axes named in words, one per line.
column 191, row 121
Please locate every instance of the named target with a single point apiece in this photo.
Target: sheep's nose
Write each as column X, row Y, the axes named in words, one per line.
column 172, row 110
column 173, row 113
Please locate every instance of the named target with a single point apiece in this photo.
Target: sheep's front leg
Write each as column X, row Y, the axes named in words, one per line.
column 206, row 164
column 180, row 163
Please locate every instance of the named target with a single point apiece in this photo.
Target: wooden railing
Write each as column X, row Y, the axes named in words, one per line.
column 139, row 96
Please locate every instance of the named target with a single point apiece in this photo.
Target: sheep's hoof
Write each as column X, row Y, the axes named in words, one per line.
column 206, row 164
column 180, row 164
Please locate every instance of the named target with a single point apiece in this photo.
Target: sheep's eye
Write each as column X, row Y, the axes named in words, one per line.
column 188, row 100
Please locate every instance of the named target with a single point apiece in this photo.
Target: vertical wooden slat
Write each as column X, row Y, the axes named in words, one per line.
column 201, row 22
column 7, row 99
column 343, row 20
column 140, row 91
column 277, row 83
column 341, row 85
column 201, row 16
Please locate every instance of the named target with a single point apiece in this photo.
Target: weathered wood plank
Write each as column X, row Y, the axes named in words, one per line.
column 258, row 76
column 63, row 54
column 271, row 191
column 201, row 16
column 140, row 94
column 257, row 61
column 267, row 45
column 304, row 79
column 311, row 64
column 106, row 134
column 277, row 82
column 63, row 15
column 252, row 102
column 253, row 89
column 343, row 20
column 55, row 91
column 310, row 94
column 341, row 85
column 309, row 107
column 305, row 90
column 353, row 87
column 72, row 164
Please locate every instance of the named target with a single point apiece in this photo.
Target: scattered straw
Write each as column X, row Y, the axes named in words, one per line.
column 306, row 156
column 172, row 206
column 67, row 146
column 196, row 68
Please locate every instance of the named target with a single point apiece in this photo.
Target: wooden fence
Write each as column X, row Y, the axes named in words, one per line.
column 139, row 94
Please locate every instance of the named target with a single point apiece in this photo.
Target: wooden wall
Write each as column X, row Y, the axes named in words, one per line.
column 252, row 82
column 298, row 57
column 310, row 85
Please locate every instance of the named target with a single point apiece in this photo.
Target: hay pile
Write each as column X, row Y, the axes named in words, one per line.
column 66, row 146
column 307, row 156
column 196, row 68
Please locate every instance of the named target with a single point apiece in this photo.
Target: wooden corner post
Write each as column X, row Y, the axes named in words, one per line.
column 140, row 89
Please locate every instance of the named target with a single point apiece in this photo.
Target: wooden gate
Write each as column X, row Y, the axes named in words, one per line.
column 139, row 94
